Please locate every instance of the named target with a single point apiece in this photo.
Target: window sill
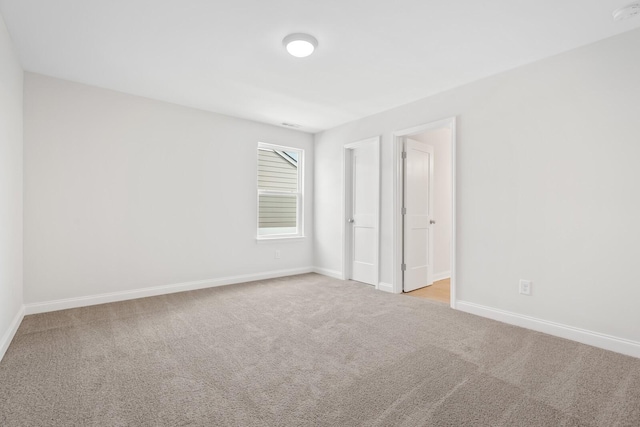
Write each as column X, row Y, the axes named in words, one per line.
column 266, row 239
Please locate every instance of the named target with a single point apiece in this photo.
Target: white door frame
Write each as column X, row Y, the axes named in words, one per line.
column 346, row 203
column 398, row 139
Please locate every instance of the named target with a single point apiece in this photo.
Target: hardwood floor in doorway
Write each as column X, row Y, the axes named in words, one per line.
column 439, row 291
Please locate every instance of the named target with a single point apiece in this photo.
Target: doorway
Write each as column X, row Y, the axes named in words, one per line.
column 361, row 222
column 424, row 212
column 418, row 223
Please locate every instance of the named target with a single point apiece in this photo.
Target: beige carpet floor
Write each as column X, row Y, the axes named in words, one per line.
column 304, row 351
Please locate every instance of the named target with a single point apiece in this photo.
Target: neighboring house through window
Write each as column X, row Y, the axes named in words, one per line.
column 279, row 191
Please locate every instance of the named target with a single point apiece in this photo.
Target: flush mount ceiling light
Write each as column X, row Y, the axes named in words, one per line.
column 300, row 45
column 626, row 12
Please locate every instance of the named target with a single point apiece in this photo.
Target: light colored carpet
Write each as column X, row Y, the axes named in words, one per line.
column 304, row 350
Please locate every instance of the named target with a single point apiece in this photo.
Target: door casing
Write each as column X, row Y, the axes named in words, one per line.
column 398, row 143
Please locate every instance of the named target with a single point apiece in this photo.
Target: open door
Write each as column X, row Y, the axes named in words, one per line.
column 417, row 212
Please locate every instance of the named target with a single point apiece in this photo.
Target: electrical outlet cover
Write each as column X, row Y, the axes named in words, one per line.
column 525, row 287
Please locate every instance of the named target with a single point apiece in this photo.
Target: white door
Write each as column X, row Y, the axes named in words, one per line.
column 418, row 215
column 362, row 213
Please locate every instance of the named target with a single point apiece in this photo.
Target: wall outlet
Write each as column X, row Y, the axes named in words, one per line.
column 525, row 287
column 277, row 254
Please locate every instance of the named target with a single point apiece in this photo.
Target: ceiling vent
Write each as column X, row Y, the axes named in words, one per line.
column 626, row 12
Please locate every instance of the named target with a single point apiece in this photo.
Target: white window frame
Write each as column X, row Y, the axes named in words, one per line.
column 299, row 194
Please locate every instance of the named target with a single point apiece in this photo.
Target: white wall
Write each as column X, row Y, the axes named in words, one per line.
column 547, row 186
column 123, row 193
column 440, row 140
column 10, row 187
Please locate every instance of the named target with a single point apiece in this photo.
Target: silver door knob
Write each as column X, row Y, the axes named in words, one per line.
column 350, row 220
column 432, row 222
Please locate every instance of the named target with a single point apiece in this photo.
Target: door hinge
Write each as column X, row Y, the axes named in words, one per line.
column 404, row 267
column 404, row 154
column 404, row 211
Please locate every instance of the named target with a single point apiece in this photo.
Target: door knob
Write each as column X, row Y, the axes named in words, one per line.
column 350, row 220
column 432, row 222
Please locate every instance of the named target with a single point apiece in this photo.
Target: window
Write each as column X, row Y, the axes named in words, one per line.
column 279, row 191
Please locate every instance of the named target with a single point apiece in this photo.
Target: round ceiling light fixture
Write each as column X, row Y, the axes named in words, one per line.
column 626, row 12
column 300, row 45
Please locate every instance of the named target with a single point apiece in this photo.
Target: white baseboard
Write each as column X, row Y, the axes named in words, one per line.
column 386, row 287
column 326, row 272
column 442, row 276
column 10, row 333
column 596, row 339
column 63, row 304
